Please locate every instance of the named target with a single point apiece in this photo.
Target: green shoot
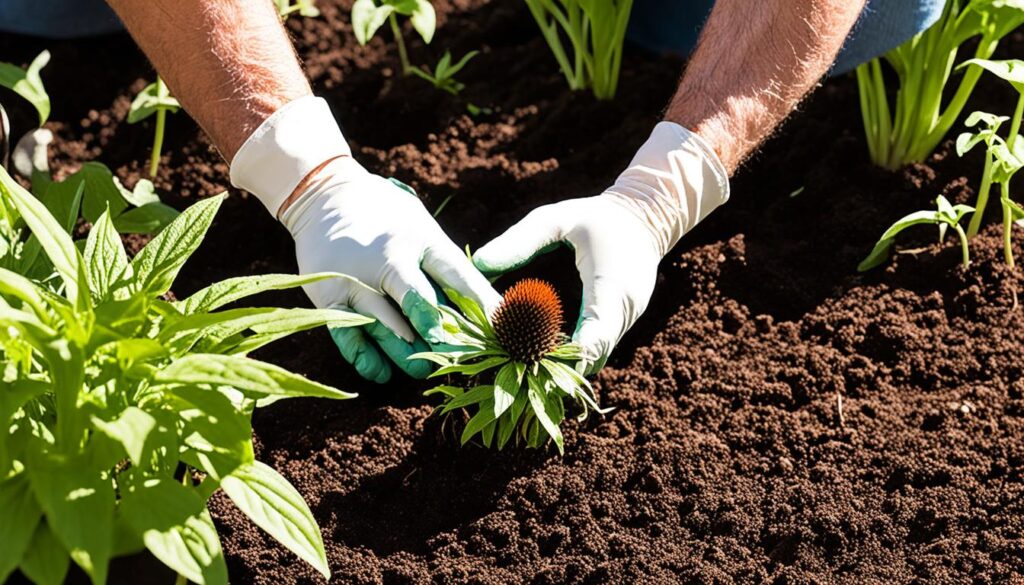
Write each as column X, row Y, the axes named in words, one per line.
column 944, row 216
column 112, row 396
column 1003, row 158
column 524, row 399
column 910, row 129
column 369, row 15
column 965, row 142
column 28, row 84
column 443, row 77
column 286, row 8
column 596, row 30
column 154, row 99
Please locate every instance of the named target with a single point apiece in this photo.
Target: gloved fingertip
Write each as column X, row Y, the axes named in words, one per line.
column 399, row 351
column 356, row 350
column 424, row 316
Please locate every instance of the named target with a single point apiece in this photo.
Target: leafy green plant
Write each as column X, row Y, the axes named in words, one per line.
column 156, row 100
column 443, row 76
column 595, row 30
column 524, row 344
column 919, row 119
column 307, row 8
column 1003, row 158
column 944, row 216
column 28, row 84
column 369, row 15
column 122, row 412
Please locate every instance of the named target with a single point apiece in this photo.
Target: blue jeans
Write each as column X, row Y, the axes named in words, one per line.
column 658, row 25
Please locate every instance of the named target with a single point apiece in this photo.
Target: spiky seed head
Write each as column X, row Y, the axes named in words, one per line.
column 528, row 322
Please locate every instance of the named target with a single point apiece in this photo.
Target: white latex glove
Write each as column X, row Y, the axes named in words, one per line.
column 351, row 221
column 674, row 181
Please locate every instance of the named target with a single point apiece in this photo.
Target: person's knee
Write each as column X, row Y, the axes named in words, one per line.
column 883, row 26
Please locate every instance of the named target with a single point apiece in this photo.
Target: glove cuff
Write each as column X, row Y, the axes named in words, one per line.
column 674, row 181
column 290, row 144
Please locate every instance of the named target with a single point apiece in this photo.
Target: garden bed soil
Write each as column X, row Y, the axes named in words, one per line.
column 778, row 417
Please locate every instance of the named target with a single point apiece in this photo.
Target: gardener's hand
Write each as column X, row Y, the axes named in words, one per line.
column 345, row 219
column 620, row 236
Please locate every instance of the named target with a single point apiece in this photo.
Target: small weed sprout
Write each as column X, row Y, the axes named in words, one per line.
column 944, row 216
column 369, row 15
column 524, row 344
column 154, row 99
column 443, row 77
column 286, row 8
column 28, row 84
column 595, row 30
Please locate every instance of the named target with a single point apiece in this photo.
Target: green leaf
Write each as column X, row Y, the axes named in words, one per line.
column 449, row 391
column 367, row 17
column 148, row 219
column 153, row 98
column 506, row 386
column 131, row 429
column 216, row 428
column 481, row 419
column 105, row 259
column 508, row 422
column 28, row 84
column 248, row 375
column 424, row 20
column 477, row 394
column 19, row 516
column 79, row 507
column 471, row 369
column 46, row 562
column 471, row 310
column 157, row 264
column 545, row 411
column 454, row 69
column 277, row 507
column 880, row 253
column 571, row 382
column 101, row 192
column 230, row 290
column 176, row 527
column 55, row 241
column 1011, row 70
column 64, row 200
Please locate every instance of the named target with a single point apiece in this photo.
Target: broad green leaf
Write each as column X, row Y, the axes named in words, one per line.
column 131, row 429
column 157, row 264
column 230, row 290
column 19, row 516
column 101, row 192
column 55, row 241
column 991, row 120
column 64, row 200
column 424, row 20
column 481, row 419
column 153, row 98
column 176, row 527
column 506, row 386
column 148, row 219
column 367, row 17
column 477, row 394
column 471, row 369
column 571, row 382
column 277, row 507
column 79, row 507
column 248, row 375
column 46, row 562
column 216, row 429
column 105, row 258
column 546, row 413
column 507, row 424
column 28, row 84
column 1011, row 70
column 16, row 286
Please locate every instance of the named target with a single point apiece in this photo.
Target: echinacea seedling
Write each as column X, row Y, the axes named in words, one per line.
column 369, row 15
column 946, row 215
column 443, row 76
column 595, row 30
column 1007, row 156
column 155, row 99
column 524, row 344
column 114, row 401
column 28, row 84
column 912, row 127
column 286, row 8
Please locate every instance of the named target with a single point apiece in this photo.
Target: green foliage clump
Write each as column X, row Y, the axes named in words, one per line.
column 443, row 76
column 154, row 99
column 945, row 216
column 122, row 412
column 369, row 15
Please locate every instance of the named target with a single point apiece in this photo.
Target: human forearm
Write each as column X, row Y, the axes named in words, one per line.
column 753, row 64
column 229, row 62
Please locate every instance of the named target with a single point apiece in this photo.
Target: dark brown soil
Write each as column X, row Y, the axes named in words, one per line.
column 778, row 417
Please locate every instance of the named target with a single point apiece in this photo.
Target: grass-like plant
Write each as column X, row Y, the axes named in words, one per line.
column 28, row 84
column 909, row 129
column 945, row 216
column 532, row 358
column 369, row 15
column 443, row 76
column 595, row 31
column 156, row 100
column 286, row 8
column 1003, row 158
column 121, row 412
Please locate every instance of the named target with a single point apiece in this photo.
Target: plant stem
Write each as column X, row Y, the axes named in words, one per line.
column 402, row 55
column 979, row 206
column 1007, row 224
column 158, row 135
column 963, row 244
column 1015, row 123
column 181, row 580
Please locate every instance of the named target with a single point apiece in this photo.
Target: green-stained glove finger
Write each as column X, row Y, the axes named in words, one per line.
column 360, row 352
column 399, row 350
column 424, row 316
